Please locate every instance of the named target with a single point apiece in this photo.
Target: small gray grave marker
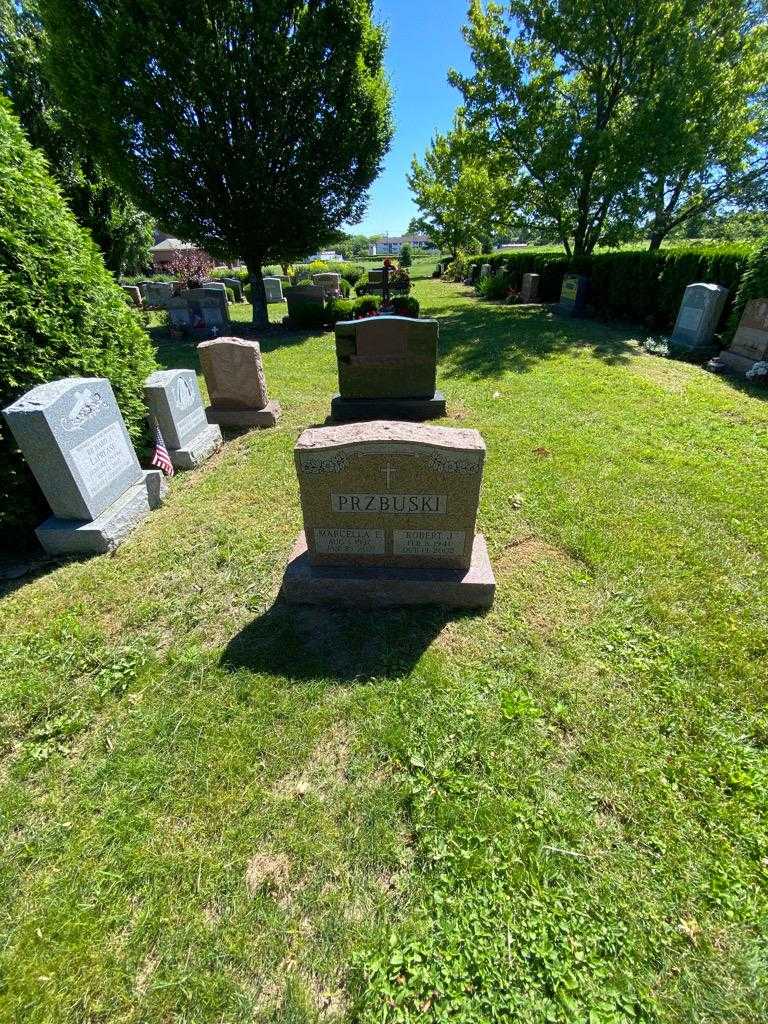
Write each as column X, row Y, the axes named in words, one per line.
column 174, row 400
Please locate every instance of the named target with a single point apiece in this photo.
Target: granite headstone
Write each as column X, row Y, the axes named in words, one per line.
column 273, row 287
column 174, row 401
column 573, row 295
column 529, row 291
column 234, row 376
column 697, row 320
column 133, row 294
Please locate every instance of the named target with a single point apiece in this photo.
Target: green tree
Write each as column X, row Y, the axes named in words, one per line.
column 588, row 100
column 458, row 195
column 247, row 126
column 120, row 229
column 405, row 258
column 61, row 312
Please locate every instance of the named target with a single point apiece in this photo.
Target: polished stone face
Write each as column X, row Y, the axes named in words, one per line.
column 234, row 374
column 751, row 338
column 699, row 314
column 390, row 493
column 573, row 294
column 387, row 357
column 74, row 439
column 174, row 400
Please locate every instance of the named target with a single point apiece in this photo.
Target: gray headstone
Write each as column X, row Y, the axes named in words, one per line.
column 133, row 293
column 697, row 320
column 236, row 286
column 529, row 292
column 273, row 286
column 74, row 439
column 174, row 400
column 158, row 293
column 573, row 295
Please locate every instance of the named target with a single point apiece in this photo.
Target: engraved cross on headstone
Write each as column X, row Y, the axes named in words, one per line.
column 388, row 472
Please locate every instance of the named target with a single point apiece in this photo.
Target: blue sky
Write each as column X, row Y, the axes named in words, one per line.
column 424, row 41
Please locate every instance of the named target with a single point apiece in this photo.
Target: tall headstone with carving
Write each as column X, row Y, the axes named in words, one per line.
column 174, row 401
column 234, row 376
column 750, row 342
column 697, row 320
column 389, row 517
column 73, row 437
column 387, row 369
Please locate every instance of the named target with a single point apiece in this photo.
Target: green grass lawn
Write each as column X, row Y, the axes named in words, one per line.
column 216, row 808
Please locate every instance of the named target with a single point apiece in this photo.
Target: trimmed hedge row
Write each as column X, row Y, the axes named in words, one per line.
column 630, row 284
column 61, row 314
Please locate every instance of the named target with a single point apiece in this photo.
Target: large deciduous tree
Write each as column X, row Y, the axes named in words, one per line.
column 251, row 127
column 458, row 195
column 590, row 99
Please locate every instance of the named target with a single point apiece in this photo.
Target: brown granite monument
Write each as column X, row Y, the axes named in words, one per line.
column 387, row 369
column 234, row 376
column 750, row 342
column 389, row 517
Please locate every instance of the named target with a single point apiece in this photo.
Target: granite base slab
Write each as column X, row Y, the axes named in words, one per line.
column 736, row 363
column 203, row 446
column 383, row 586
column 266, row 417
column 110, row 529
column 350, row 410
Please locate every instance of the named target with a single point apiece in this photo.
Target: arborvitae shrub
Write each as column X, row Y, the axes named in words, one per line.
column 753, row 285
column 61, row 314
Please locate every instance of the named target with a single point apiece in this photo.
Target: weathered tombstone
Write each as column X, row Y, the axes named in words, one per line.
column 376, row 277
column 573, row 295
column 73, row 437
column 179, row 314
column 387, row 369
column 174, row 400
column 208, row 310
column 236, row 285
column 234, row 376
column 389, row 517
column 158, row 293
column 485, row 270
column 304, row 295
column 218, row 286
column 750, row 342
column 697, row 320
column 529, row 292
column 273, row 286
column 133, row 293
column 474, row 273
column 327, row 281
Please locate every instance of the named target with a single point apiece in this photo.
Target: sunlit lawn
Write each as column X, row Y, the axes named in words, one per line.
column 220, row 809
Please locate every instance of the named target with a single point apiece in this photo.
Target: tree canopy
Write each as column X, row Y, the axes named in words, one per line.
column 251, row 128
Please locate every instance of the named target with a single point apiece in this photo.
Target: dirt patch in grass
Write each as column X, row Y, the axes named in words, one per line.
column 268, row 872
column 144, row 974
column 527, row 551
column 324, row 771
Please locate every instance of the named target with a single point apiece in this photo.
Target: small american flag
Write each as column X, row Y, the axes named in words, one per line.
column 160, row 456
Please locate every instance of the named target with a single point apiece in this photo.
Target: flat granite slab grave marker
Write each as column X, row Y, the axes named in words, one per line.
column 573, row 295
column 273, row 287
column 389, row 517
column 529, row 290
column 234, row 376
column 387, row 369
column 174, row 400
column 750, row 342
column 74, row 439
column 697, row 320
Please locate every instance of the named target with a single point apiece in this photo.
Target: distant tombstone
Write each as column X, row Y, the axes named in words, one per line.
column 208, row 310
column 389, row 514
column 387, row 369
column 234, row 376
column 133, row 294
column 305, row 295
column 158, row 293
column 174, row 401
column 236, row 285
column 273, row 287
column 485, row 270
column 327, row 281
column 376, row 277
column 179, row 314
column 573, row 295
column 216, row 286
column 474, row 273
column 74, row 439
column 529, row 292
column 697, row 320
column 750, row 343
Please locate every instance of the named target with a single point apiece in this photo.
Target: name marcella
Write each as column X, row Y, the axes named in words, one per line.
column 398, row 504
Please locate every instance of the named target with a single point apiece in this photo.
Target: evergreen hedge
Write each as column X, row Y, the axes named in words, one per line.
column 61, row 314
column 753, row 285
column 630, row 284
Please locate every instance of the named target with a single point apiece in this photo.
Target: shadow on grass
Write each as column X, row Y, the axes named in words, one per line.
column 346, row 645
column 181, row 354
column 486, row 340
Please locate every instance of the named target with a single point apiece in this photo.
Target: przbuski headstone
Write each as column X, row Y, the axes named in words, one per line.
column 573, row 295
column 387, row 369
column 529, row 291
column 389, row 517
column 273, row 286
column 750, row 342
column 74, row 439
column 234, row 376
column 697, row 320
column 174, row 401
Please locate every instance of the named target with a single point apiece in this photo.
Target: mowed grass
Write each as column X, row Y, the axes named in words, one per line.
column 216, row 808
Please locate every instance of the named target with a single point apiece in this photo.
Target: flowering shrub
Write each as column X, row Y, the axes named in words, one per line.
column 190, row 266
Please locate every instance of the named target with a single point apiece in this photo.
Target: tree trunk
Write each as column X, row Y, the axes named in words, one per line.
column 260, row 318
column 657, row 237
